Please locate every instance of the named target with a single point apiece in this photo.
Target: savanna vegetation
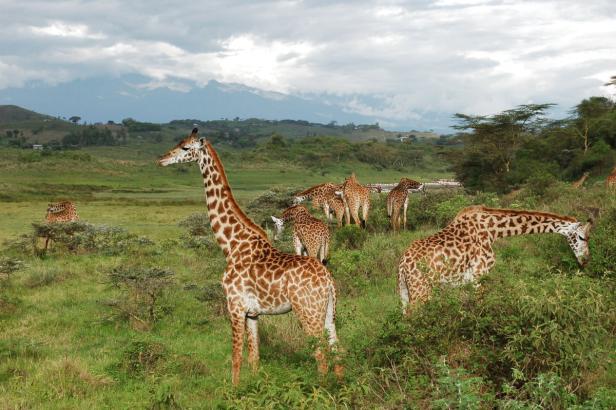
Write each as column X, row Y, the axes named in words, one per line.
column 126, row 309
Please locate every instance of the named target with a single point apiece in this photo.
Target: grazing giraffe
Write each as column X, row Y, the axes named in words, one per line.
column 578, row 184
column 319, row 195
column 610, row 181
column 309, row 233
column 259, row 279
column 399, row 198
column 462, row 251
column 59, row 212
column 355, row 196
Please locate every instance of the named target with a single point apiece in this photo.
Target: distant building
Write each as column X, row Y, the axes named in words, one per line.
column 37, row 146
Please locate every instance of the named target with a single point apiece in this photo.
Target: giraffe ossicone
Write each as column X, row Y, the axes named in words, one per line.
column 258, row 279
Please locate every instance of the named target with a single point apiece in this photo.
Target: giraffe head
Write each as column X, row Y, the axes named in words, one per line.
column 577, row 235
column 54, row 208
column 279, row 224
column 187, row 150
column 411, row 184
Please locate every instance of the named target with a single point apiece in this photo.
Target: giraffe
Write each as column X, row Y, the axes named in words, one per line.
column 399, row 198
column 610, row 181
column 355, row 196
column 64, row 211
column 309, row 233
column 462, row 251
column 320, row 195
column 336, row 204
column 258, row 279
column 578, row 183
column 58, row 212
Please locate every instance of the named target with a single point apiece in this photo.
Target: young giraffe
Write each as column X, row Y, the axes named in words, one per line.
column 355, row 196
column 309, row 233
column 462, row 251
column 577, row 184
column 336, row 204
column 610, row 181
column 259, row 279
column 399, row 198
column 59, row 212
column 320, row 195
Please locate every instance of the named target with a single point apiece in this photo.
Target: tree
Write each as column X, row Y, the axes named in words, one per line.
column 74, row 119
column 491, row 144
column 589, row 114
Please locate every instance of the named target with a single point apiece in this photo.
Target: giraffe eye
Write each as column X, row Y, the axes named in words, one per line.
column 581, row 238
column 185, row 148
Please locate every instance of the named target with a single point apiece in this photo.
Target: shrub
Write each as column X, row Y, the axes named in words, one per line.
column 197, row 224
column 142, row 357
column 143, row 289
column 272, row 202
column 561, row 325
column 603, row 246
column 9, row 265
column 84, row 237
column 350, row 237
column 213, row 296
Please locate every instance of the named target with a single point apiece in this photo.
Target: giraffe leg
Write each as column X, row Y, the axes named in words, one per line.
column 403, row 289
column 252, row 328
column 406, row 205
column 326, row 210
column 354, row 209
column 395, row 218
column 365, row 209
column 297, row 244
column 237, row 329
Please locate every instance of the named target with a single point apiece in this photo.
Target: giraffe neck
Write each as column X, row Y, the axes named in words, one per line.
column 503, row 223
column 229, row 223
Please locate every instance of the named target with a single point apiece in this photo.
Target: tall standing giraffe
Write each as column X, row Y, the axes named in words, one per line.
column 355, row 196
column 320, row 195
column 462, row 251
column 259, row 279
column 309, row 233
column 578, row 183
column 399, row 198
column 610, row 181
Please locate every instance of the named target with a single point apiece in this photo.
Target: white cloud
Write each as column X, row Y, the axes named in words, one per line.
column 59, row 29
column 394, row 60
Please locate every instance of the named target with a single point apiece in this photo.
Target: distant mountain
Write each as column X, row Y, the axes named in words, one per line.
column 10, row 114
column 107, row 98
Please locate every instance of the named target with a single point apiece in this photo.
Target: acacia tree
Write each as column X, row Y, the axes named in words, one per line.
column 588, row 116
column 492, row 142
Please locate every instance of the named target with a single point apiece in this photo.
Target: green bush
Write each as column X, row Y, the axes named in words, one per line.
column 142, row 291
column 559, row 324
column 603, row 246
column 142, row 357
column 197, row 224
column 350, row 237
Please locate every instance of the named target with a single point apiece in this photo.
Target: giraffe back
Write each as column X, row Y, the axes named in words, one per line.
column 64, row 211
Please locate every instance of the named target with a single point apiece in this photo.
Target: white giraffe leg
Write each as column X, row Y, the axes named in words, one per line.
column 406, row 205
column 297, row 244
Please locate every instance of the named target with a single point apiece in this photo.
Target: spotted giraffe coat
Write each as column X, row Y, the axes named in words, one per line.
column 398, row 199
column 462, row 251
column 309, row 233
column 259, row 279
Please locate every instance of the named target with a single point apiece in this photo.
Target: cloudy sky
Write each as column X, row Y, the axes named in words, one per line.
column 392, row 60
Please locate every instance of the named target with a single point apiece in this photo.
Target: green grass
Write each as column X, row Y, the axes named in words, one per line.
column 62, row 346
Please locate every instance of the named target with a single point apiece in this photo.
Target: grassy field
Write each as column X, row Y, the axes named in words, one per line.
column 64, row 345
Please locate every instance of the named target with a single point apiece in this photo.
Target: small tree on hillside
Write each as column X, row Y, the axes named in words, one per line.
column 589, row 115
